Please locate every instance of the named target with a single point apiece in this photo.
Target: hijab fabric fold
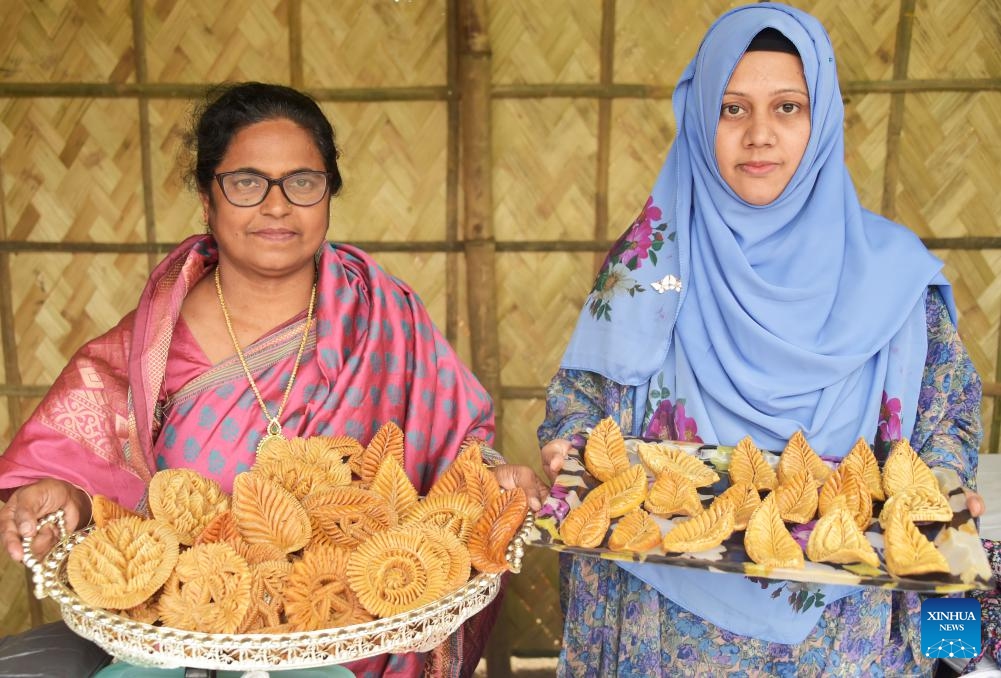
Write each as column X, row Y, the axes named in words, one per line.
column 803, row 314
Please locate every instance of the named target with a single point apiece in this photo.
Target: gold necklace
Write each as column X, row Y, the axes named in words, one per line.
column 274, row 429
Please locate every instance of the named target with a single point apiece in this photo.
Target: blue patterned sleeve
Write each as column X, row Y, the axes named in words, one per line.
column 948, row 429
column 576, row 400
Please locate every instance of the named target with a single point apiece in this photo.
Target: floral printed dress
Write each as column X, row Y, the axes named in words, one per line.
column 618, row 626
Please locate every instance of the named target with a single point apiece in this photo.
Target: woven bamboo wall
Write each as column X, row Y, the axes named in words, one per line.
column 94, row 95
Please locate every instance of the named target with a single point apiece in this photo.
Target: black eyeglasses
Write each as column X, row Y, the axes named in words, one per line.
column 247, row 189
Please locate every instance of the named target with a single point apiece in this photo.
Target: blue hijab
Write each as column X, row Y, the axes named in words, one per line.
column 803, row 314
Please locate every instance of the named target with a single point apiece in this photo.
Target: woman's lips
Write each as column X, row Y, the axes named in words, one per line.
column 275, row 234
column 758, row 168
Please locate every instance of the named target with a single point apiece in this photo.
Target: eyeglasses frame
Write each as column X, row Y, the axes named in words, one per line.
column 271, row 184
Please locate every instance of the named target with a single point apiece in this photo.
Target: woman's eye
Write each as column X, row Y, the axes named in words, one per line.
column 789, row 107
column 244, row 183
column 731, row 109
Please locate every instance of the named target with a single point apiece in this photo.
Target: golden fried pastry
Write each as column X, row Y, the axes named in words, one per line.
column 907, row 551
column 120, row 565
column 679, row 461
column 672, row 494
column 704, row 531
column 467, row 475
column 317, row 593
column 637, row 532
column 796, row 496
column 105, row 509
column 500, row 522
column 748, row 465
column 454, row 553
column 208, row 591
column 745, row 500
column 836, row 538
column 267, row 513
column 256, row 553
column 348, row 515
column 766, row 539
column 302, row 465
column 586, row 525
column 605, row 451
column 846, row 482
column 267, row 595
column 387, row 441
column 185, row 500
column 920, row 504
column 396, row 571
column 220, row 528
column 455, row 512
column 393, row 485
column 904, row 469
column 655, row 456
column 146, row 612
column 799, row 455
column 625, row 491
column 861, row 458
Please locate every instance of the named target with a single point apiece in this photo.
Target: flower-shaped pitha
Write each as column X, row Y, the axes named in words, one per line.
column 185, row 500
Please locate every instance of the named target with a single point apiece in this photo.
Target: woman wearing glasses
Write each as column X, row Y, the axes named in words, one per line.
column 259, row 328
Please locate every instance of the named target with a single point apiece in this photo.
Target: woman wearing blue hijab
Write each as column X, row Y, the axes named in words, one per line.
column 755, row 296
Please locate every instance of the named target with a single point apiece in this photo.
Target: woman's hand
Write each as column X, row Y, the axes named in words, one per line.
column 975, row 503
column 27, row 505
column 553, row 455
column 510, row 476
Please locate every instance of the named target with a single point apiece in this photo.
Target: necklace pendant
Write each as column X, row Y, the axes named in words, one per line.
column 274, row 432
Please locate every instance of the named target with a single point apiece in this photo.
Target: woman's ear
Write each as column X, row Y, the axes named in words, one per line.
column 206, row 201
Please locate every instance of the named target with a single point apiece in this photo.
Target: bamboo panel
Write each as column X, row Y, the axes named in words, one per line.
column 360, row 43
column 521, row 421
column 545, row 42
column 427, row 274
column 394, row 163
column 865, row 145
column 531, row 617
column 62, row 300
column 544, row 168
column 655, row 40
column 176, row 206
column 72, row 170
column 215, row 40
column 956, row 39
column 537, row 306
column 642, row 131
column 66, row 42
column 948, row 164
column 862, row 32
column 976, row 281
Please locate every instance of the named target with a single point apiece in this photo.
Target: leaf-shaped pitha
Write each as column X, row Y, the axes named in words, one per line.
column 388, row 440
column 745, row 500
column 495, row 529
column 907, row 551
column 705, row 531
column 904, row 469
column 267, row 513
column 836, row 538
column 605, row 452
column 391, row 483
column 846, row 482
column 585, row 525
column 862, row 459
column 104, row 509
column 463, row 471
column 625, row 491
column 797, row 455
column 920, row 504
column 672, row 494
column 748, row 465
column 637, row 532
column 796, row 497
column 767, row 541
column 348, row 516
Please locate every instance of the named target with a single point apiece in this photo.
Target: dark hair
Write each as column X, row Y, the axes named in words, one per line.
column 771, row 40
column 229, row 108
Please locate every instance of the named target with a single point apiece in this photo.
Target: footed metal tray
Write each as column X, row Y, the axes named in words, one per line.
column 418, row 630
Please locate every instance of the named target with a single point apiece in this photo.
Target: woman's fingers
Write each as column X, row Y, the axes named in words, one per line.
column 975, row 503
column 510, row 476
column 554, row 454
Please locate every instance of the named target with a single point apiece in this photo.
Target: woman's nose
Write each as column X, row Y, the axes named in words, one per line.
column 759, row 132
column 275, row 202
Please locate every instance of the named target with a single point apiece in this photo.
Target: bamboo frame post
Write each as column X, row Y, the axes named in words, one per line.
column 478, row 237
